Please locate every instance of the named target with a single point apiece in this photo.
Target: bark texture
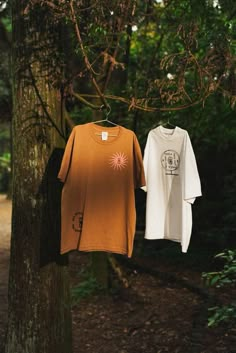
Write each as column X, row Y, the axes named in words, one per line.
column 39, row 300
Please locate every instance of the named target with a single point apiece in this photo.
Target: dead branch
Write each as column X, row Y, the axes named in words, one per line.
column 173, row 94
column 112, row 59
column 118, row 271
column 138, row 103
column 86, row 60
column 85, row 102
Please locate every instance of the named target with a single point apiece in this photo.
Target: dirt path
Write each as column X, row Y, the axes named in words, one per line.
column 154, row 315
column 5, row 231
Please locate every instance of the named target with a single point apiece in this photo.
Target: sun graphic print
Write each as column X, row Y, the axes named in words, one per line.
column 118, row 161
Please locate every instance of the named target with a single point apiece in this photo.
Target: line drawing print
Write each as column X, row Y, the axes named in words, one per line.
column 170, row 161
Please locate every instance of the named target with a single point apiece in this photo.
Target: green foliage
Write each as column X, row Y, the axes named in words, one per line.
column 5, row 170
column 176, row 53
column 219, row 314
column 158, row 45
column 5, row 62
column 4, row 133
column 219, row 279
column 180, row 51
column 227, row 276
column 85, row 288
column 6, row 21
column 5, row 160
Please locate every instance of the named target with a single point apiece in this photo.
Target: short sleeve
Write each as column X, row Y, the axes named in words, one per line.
column 192, row 184
column 145, row 161
column 66, row 160
column 139, row 177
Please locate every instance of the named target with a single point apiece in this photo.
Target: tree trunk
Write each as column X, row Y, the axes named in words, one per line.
column 100, row 270
column 39, row 300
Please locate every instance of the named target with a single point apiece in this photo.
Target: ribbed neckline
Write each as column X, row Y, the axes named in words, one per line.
column 167, row 134
column 93, row 128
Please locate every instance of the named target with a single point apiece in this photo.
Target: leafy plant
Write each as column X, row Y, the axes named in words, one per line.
column 227, row 275
column 5, row 161
column 219, row 279
column 5, row 170
column 85, row 289
column 221, row 314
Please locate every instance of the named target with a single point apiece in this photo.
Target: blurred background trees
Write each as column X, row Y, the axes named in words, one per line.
column 151, row 61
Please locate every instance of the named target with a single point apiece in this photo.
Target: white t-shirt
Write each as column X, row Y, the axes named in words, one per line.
column 172, row 185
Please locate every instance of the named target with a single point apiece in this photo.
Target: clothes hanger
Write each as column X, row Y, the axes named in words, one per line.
column 106, row 120
column 167, row 124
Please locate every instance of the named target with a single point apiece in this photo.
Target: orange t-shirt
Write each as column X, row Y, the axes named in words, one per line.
column 100, row 169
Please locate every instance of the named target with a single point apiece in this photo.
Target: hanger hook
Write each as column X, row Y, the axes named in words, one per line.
column 108, row 109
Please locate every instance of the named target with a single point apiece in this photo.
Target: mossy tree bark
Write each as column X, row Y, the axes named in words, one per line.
column 39, row 301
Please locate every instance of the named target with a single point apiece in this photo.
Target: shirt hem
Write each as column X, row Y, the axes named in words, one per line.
column 161, row 237
column 93, row 248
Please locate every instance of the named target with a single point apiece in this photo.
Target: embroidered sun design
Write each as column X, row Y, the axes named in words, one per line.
column 118, row 161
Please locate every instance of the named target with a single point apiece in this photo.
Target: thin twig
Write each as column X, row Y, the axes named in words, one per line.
column 116, row 50
column 110, row 68
column 84, row 101
column 86, row 60
column 133, row 103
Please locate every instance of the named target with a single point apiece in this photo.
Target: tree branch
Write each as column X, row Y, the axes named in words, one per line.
column 86, row 60
column 135, row 103
column 115, row 53
column 86, row 102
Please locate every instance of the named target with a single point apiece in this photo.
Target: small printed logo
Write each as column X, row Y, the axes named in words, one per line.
column 77, row 222
column 170, row 161
column 118, row 161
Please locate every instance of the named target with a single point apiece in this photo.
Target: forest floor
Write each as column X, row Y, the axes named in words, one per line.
column 164, row 308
